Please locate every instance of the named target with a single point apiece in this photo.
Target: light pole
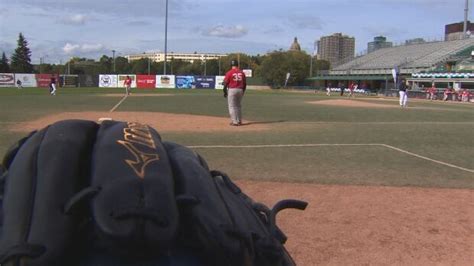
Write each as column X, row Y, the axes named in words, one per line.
column 166, row 37
column 113, row 58
column 466, row 12
column 148, row 65
column 42, row 62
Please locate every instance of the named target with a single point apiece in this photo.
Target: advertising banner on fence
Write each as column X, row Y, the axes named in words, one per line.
column 146, row 81
column 27, row 80
column 219, row 81
column 165, row 81
column 247, row 72
column 43, row 80
column 88, row 81
column 205, row 82
column 108, row 81
column 121, row 80
column 7, row 80
column 185, row 82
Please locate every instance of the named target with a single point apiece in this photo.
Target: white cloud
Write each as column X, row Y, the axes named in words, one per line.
column 226, row 31
column 82, row 48
column 70, row 48
column 77, row 19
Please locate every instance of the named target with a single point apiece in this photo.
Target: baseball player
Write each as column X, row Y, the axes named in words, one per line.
column 234, row 89
column 402, row 91
column 128, row 84
column 52, row 86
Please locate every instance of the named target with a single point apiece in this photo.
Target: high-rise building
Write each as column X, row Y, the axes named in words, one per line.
column 378, row 43
column 455, row 31
column 336, row 48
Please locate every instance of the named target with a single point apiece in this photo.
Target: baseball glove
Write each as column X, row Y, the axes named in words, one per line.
column 77, row 190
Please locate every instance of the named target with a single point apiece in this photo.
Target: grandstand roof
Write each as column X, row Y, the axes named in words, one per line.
column 410, row 58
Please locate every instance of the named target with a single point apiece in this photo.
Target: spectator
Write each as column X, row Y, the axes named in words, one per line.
column 465, row 95
column 432, row 92
column 446, row 94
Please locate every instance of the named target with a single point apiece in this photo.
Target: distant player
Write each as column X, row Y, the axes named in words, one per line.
column 234, row 89
column 352, row 87
column 402, row 91
column 18, row 84
column 52, row 86
column 128, row 85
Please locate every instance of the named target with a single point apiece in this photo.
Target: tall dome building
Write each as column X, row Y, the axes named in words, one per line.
column 295, row 46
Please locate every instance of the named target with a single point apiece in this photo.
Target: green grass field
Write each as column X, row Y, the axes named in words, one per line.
column 429, row 144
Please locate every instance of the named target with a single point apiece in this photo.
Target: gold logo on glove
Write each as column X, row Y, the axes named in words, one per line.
column 134, row 134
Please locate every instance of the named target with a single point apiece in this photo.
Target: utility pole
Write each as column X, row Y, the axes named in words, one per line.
column 113, row 58
column 166, row 37
column 466, row 12
column 148, row 65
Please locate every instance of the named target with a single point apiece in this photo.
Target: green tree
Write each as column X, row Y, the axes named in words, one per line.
column 277, row 64
column 122, row 66
column 4, row 67
column 21, row 58
column 320, row 65
column 105, row 64
column 141, row 66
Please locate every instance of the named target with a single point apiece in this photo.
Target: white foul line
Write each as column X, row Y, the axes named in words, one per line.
column 117, row 105
column 328, row 144
column 429, row 159
column 280, row 145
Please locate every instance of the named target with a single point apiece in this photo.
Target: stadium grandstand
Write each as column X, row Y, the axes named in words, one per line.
column 375, row 69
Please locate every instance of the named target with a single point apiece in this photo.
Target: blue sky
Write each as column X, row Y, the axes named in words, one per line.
column 59, row 29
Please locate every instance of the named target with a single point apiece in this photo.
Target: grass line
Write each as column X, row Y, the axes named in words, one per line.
column 429, row 159
column 279, row 145
column 330, row 144
column 118, row 104
column 380, row 123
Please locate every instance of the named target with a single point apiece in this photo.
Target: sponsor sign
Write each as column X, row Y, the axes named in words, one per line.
column 165, row 81
column 27, row 80
column 7, row 80
column 185, row 82
column 121, row 80
column 108, row 81
column 43, row 80
column 219, row 82
column 88, row 81
column 247, row 72
column 146, row 81
column 205, row 82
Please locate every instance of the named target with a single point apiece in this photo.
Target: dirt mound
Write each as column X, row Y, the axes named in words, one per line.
column 163, row 122
column 352, row 103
